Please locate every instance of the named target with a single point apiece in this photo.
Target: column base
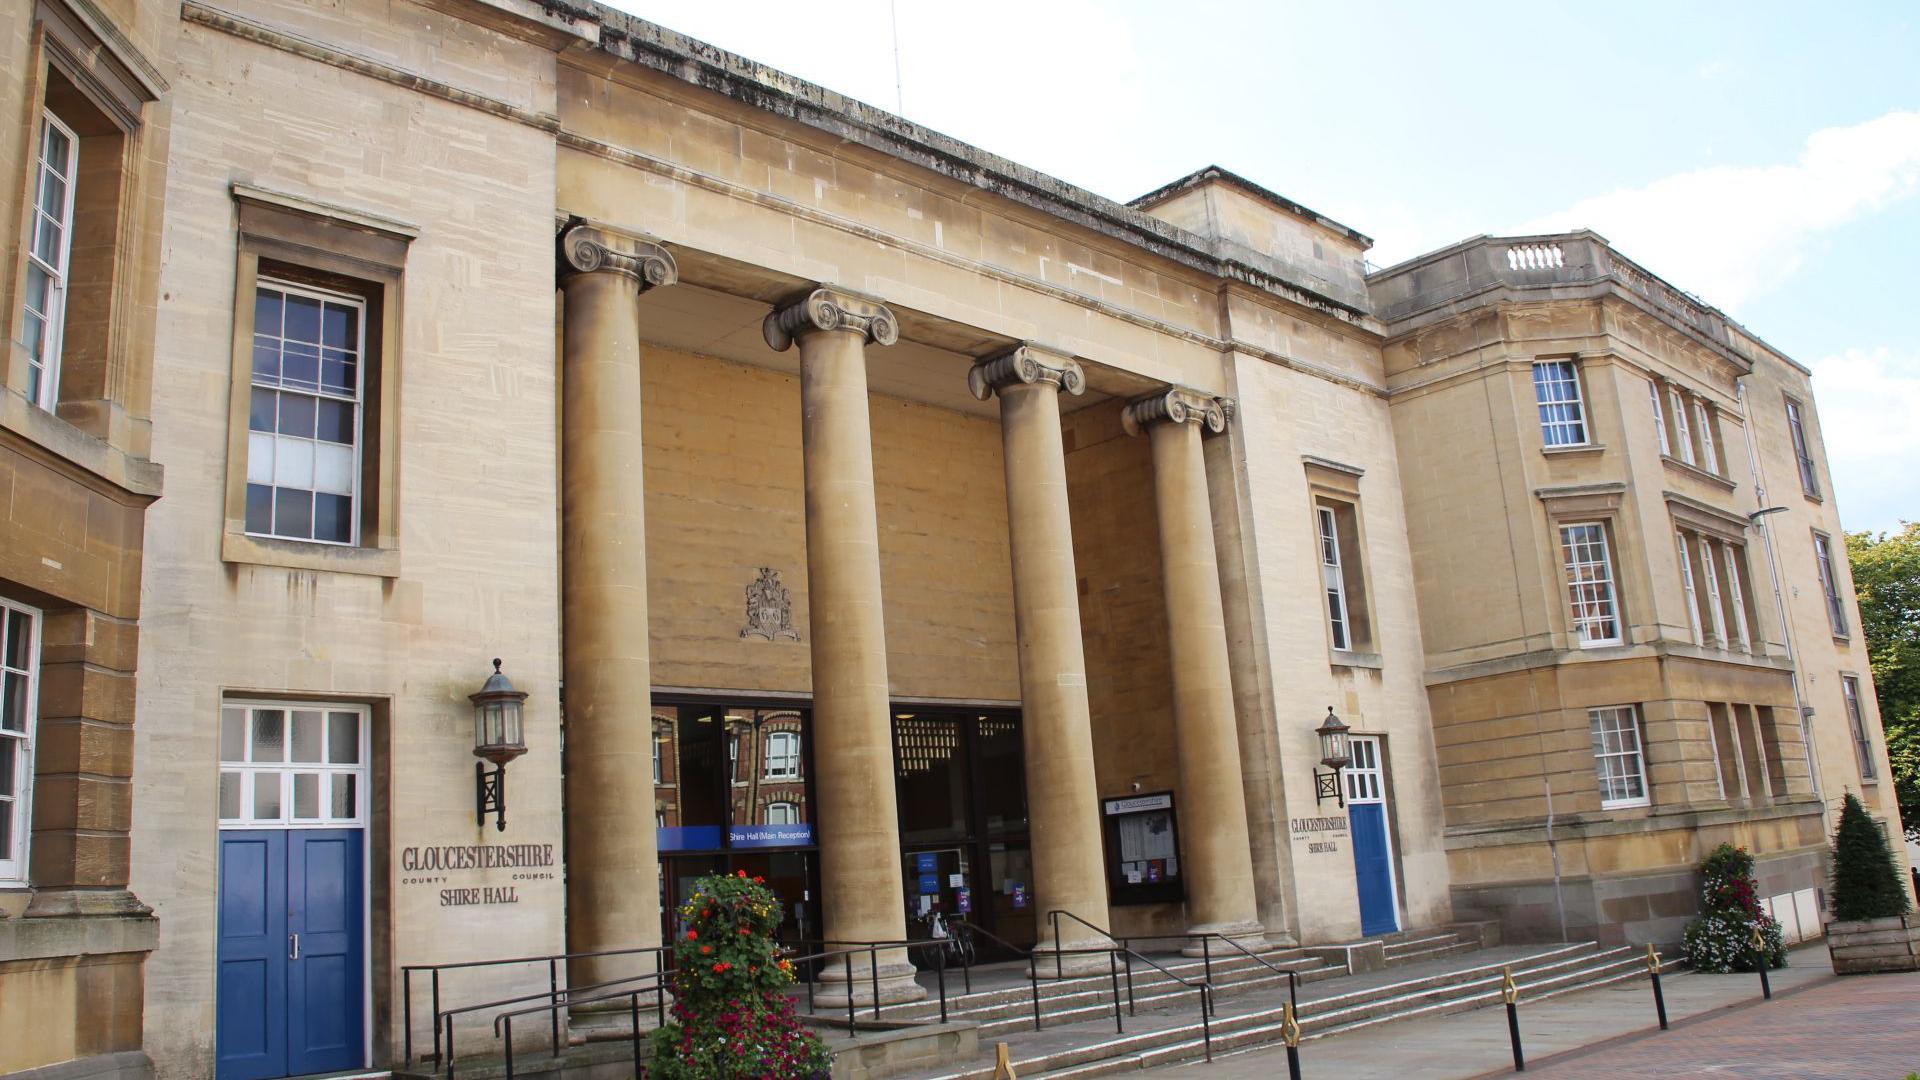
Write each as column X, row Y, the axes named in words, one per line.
column 1250, row 935
column 897, row 985
column 1050, row 964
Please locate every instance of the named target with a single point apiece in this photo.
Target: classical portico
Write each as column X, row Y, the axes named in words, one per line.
column 864, row 896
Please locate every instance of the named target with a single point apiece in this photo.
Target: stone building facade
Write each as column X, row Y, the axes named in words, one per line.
column 856, row 509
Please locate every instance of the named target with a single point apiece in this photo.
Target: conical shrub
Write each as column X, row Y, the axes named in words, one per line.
column 1866, row 884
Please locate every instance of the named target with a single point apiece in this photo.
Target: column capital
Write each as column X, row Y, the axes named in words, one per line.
column 1177, row 405
column 587, row 249
column 1026, row 364
column 825, row 307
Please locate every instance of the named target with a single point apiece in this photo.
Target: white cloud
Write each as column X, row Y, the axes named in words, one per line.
column 1869, row 402
column 1730, row 233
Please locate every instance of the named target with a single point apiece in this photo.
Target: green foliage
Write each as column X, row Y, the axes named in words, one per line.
column 1721, row 939
column 731, row 1020
column 1866, row 884
column 1886, row 576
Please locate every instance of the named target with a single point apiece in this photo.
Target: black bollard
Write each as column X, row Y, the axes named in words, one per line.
column 1290, row 1033
column 1659, row 999
column 1760, row 963
column 1511, row 994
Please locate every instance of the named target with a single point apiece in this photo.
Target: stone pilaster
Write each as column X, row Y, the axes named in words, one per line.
column 860, row 862
column 1062, row 794
column 1214, row 847
column 613, row 866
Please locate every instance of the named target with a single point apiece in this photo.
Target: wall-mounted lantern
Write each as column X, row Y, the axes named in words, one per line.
column 498, row 736
column 1335, row 755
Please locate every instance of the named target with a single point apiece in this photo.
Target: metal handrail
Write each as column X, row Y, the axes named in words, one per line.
column 552, row 960
column 556, row 1000
column 633, row 1012
column 1120, row 946
column 1033, row 975
column 872, row 951
column 1206, row 959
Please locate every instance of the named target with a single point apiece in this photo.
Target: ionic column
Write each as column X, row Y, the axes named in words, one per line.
column 1214, row 850
column 1062, row 796
column 613, row 866
column 860, row 867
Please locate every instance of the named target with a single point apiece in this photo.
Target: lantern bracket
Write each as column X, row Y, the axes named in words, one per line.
column 490, row 795
column 1326, row 785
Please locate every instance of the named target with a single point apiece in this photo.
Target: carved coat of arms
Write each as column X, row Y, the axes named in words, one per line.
column 769, row 608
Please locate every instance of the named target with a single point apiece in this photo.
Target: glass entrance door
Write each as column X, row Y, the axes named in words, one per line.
column 960, row 781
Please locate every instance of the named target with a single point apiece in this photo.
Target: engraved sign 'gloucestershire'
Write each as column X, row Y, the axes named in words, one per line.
column 769, row 608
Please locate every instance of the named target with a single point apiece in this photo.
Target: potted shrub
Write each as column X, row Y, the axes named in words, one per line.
column 1872, row 929
column 1721, row 939
column 730, row 1018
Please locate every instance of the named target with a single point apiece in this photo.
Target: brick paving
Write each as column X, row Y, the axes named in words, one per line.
column 1857, row 1028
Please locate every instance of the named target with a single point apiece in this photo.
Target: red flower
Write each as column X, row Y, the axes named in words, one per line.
column 740, row 873
column 705, row 949
column 693, row 935
column 759, row 881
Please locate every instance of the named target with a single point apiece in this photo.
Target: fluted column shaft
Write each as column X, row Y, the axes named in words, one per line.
column 1062, row 794
column 860, row 861
column 1215, row 855
column 613, row 868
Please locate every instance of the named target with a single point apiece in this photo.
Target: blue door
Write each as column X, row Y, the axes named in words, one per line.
column 1372, row 849
column 292, row 953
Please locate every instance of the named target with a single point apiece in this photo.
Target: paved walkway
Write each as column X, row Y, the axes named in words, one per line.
column 1475, row 1044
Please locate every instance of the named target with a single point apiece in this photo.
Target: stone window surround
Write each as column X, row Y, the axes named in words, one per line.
column 1801, row 441
column 1857, row 727
column 368, row 250
column 1334, row 482
column 16, row 856
column 1580, row 402
column 1727, row 530
column 1583, row 504
column 1827, row 571
column 79, row 50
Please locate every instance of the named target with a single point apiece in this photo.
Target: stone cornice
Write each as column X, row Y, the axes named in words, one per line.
column 827, row 308
column 1177, row 405
column 1026, row 365
column 587, row 249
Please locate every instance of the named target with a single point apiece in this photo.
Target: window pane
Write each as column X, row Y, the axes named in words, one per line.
column 266, row 358
column 293, row 463
column 229, row 796
column 8, row 774
column 269, row 735
column 260, row 415
column 266, row 796
column 19, row 637
column 306, row 795
column 336, row 371
column 13, row 702
column 233, row 735
column 266, row 312
column 303, row 319
column 343, row 738
column 296, row 415
column 48, row 246
column 259, row 508
column 6, row 826
column 336, row 421
column 338, row 327
column 292, row 512
column 306, row 735
column 300, row 365
column 333, row 468
column 346, row 796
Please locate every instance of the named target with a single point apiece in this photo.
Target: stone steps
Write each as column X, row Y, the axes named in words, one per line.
column 1173, row 1034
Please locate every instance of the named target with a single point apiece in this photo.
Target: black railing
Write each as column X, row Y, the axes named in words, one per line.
column 1206, row 960
column 1120, row 948
column 660, row 953
column 872, row 949
column 503, row 1022
column 556, row 1000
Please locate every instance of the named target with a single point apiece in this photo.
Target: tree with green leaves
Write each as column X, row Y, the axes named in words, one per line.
column 1866, row 885
column 1886, row 576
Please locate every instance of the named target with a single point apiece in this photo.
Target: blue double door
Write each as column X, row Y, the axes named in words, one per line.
column 291, row 954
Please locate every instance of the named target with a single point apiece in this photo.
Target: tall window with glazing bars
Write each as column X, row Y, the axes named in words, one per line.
column 1556, row 391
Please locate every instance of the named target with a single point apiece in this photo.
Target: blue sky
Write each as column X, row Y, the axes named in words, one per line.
column 1765, row 156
